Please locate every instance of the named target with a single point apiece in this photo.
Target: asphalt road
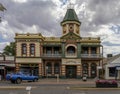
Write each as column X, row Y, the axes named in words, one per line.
column 55, row 88
column 58, row 90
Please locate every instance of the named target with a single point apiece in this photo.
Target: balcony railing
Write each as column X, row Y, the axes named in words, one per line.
column 91, row 55
column 71, row 55
column 52, row 55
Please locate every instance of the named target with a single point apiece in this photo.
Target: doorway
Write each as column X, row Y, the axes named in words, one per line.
column 70, row 71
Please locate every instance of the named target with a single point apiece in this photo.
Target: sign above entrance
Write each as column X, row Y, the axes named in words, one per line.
column 2, row 67
column 117, row 68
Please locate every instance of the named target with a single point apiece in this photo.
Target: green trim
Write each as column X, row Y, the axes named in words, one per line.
column 71, row 34
column 79, row 50
column 63, row 49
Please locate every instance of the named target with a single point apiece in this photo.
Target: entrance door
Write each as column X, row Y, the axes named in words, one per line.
column 70, row 71
column 2, row 74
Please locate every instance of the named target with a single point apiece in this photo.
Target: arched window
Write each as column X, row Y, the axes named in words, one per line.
column 24, row 48
column 56, row 68
column 32, row 49
column 85, row 69
column 71, row 50
column 93, row 70
column 49, row 68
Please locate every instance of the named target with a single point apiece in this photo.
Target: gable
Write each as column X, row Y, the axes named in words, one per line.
column 70, row 35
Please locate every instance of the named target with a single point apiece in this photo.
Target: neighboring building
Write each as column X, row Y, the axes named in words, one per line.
column 112, row 68
column 7, row 65
column 69, row 56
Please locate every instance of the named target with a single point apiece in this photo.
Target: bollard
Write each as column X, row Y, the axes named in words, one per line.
column 28, row 88
column 57, row 78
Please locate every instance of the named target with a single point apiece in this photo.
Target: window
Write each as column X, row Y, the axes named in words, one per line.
column 24, row 48
column 85, row 50
column 56, row 68
column 56, row 50
column 32, row 49
column 112, row 71
column 48, row 50
column 93, row 50
column 85, row 69
column 93, row 70
column 49, row 68
column 71, row 50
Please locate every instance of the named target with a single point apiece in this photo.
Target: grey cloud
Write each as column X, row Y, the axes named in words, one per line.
column 106, row 11
column 107, row 43
column 34, row 12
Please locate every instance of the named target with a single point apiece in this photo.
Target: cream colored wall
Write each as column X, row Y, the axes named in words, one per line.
column 37, row 48
column 18, row 49
column 98, row 50
column 28, row 60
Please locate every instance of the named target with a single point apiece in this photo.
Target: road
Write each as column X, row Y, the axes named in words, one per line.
column 52, row 87
column 58, row 90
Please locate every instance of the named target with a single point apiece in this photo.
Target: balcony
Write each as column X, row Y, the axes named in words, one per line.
column 91, row 55
column 52, row 55
column 72, row 55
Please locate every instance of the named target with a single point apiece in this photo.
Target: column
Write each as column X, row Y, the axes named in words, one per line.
column 28, row 49
column 40, row 69
column 52, row 68
column 63, row 72
column 17, row 67
column 78, row 71
column 89, row 69
column 41, row 50
column 97, row 51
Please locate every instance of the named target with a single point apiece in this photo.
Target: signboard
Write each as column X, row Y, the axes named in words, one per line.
column 117, row 68
column 99, row 67
column 2, row 67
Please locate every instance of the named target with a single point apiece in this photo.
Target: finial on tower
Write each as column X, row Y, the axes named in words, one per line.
column 70, row 5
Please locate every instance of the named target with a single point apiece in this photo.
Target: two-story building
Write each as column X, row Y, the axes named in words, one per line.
column 69, row 56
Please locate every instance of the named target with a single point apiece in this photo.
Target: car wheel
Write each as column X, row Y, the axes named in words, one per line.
column 35, row 80
column 18, row 81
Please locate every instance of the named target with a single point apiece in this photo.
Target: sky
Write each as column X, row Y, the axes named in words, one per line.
column 99, row 18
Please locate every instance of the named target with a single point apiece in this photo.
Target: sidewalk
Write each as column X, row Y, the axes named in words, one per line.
column 65, row 81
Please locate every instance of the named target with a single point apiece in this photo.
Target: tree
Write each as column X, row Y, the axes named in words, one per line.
column 2, row 8
column 10, row 49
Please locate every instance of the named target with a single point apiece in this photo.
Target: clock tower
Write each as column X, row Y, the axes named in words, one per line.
column 70, row 23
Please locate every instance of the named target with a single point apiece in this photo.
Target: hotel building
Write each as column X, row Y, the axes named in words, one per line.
column 69, row 56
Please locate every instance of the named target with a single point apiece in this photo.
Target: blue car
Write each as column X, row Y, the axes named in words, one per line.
column 19, row 77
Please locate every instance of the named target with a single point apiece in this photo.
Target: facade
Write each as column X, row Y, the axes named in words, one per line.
column 69, row 56
column 7, row 65
column 112, row 68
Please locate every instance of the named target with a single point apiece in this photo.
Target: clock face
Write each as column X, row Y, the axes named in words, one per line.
column 71, row 27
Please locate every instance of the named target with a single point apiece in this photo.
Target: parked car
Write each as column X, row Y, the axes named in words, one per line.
column 106, row 83
column 19, row 77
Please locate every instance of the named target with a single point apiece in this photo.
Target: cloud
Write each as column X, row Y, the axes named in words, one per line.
column 2, row 45
column 98, row 17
